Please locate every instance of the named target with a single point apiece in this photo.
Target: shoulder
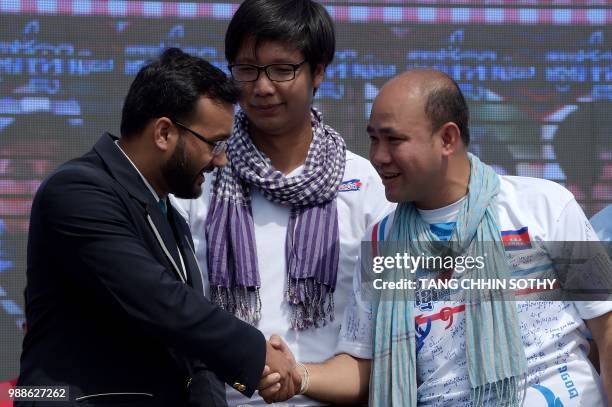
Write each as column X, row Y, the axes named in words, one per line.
column 357, row 166
column 80, row 171
column 357, row 161
column 535, row 187
column 78, row 186
column 380, row 230
column 534, row 193
column 545, row 207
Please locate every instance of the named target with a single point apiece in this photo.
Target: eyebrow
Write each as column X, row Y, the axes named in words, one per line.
column 384, row 130
column 250, row 61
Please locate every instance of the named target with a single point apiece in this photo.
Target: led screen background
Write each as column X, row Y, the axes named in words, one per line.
column 537, row 76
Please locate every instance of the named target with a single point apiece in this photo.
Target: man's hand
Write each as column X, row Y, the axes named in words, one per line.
column 279, row 384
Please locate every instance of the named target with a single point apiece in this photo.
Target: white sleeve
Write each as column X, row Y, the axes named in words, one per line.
column 356, row 329
column 573, row 226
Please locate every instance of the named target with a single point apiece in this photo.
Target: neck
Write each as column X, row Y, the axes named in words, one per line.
column 452, row 186
column 288, row 150
column 141, row 160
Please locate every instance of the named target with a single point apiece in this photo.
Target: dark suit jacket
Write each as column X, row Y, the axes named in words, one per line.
column 107, row 309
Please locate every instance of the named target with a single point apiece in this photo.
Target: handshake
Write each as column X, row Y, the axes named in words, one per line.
column 282, row 377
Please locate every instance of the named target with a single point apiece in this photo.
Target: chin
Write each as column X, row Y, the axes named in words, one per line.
column 269, row 125
column 392, row 197
column 194, row 193
column 398, row 197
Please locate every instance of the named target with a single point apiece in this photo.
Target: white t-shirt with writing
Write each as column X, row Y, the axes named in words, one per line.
column 553, row 332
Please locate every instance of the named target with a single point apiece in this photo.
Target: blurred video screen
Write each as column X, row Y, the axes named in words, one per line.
column 537, row 76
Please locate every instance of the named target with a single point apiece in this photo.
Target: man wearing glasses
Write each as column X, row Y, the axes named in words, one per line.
column 278, row 235
column 114, row 297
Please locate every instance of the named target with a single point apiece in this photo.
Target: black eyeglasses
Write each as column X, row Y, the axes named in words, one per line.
column 218, row 147
column 274, row 72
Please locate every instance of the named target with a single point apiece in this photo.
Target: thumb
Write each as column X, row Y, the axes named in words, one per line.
column 277, row 342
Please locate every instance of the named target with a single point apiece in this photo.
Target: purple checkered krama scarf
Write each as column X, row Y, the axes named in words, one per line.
column 312, row 243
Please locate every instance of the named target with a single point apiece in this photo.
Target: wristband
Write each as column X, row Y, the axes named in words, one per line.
column 305, row 378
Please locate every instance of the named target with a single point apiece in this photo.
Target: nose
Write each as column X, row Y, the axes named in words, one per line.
column 379, row 153
column 263, row 86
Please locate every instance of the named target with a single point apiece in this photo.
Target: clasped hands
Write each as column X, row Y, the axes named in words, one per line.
column 282, row 376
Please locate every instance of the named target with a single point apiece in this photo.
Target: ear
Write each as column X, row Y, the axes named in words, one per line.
column 318, row 75
column 163, row 134
column 451, row 138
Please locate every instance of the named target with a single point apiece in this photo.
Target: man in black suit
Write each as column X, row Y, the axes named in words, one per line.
column 114, row 297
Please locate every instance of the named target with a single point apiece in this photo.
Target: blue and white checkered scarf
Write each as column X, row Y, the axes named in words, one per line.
column 312, row 242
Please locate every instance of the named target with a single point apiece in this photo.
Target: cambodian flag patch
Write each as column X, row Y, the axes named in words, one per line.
column 516, row 239
column 350, row 185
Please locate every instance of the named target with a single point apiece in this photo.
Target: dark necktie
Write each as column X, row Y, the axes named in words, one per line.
column 163, row 207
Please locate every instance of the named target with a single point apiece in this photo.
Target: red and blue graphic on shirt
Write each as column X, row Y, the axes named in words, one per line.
column 350, row 185
column 516, row 239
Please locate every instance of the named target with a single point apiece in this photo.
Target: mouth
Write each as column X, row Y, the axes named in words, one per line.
column 388, row 175
column 267, row 108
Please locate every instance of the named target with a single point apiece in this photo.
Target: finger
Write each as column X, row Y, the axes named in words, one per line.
column 278, row 343
column 276, row 340
column 266, row 371
column 285, row 393
column 269, row 381
column 269, row 393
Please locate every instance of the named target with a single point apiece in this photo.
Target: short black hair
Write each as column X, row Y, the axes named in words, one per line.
column 304, row 24
column 445, row 103
column 170, row 86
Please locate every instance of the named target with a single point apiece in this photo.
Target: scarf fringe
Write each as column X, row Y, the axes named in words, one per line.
column 242, row 302
column 508, row 392
column 312, row 303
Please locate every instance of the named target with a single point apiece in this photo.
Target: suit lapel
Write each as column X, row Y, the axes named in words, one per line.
column 123, row 171
column 186, row 246
column 163, row 232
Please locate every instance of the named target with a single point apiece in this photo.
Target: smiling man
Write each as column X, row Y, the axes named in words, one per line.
column 114, row 298
column 280, row 232
column 423, row 348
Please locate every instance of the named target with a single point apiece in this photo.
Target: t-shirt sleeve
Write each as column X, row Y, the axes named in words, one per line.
column 356, row 331
column 573, row 226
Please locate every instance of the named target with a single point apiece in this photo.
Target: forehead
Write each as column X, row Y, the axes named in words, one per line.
column 397, row 111
column 268, row 51
column 213, row 113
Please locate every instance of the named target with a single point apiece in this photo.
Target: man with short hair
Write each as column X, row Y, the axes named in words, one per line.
column 114, row 298
column 425, row 348
column 280, row 232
